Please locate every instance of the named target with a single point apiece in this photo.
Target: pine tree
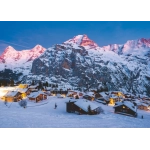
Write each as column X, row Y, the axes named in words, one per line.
column 11, row 82
column 46, row 84
column 89, row 110
column 33, row 82
column 40, row 85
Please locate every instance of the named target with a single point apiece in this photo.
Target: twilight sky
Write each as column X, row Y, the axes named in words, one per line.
column 26, row 34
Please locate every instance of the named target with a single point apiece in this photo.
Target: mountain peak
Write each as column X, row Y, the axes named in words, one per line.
column 39, row 48
column 9, row 48
column 82, row 40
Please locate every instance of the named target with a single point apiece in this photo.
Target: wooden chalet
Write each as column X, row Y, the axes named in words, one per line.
column 37, row 96
column 89, row 96
column 12, row 96
column 23, row 86
column 81, row 106
column 143, row 106
column 62, row 91
column 113, row 99
column 118, row 93
column 125, row 108
column 24, row 92
column 33, row 88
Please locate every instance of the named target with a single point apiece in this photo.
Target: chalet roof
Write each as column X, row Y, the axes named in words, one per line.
column 116, row 92
column 23, row 90
column 11, row 93
column 128, row 104
column 33, row 90
column 71, row 100
column 143, row 104
column 33, row 86
column 48, row 88
column 83, row 104
column 36, row 94
column 113, row 96
column 90, row 94
column 103, row 94
column 23, row 86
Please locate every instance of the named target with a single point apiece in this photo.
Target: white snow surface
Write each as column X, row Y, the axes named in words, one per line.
column 43, row 115
column 84, row 104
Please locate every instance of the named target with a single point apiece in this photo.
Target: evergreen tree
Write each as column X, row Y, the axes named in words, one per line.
column 11, row 82
column 40, row 86
column 89, row 110
column 46, row 84
column 33, row 82
column 77, row 97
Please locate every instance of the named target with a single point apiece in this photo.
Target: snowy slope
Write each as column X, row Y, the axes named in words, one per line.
column 20, row 61
column 43, row 115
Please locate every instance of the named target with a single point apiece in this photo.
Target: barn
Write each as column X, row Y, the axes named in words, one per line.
column 125, row 108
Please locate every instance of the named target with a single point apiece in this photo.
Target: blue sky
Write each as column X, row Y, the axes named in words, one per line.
column 27, row 34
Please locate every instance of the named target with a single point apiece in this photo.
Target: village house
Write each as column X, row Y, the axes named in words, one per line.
column 143, row 106
column 12, row 96
column 24, row 92
column 118, row 93
column 74, row 94
column 125, row 108
column 23, row 86
column 102, row 97
column 113, row 99
column 89, row 96
column 33, row 88
column 81, row 106
column 37, row 96
column 62, row 91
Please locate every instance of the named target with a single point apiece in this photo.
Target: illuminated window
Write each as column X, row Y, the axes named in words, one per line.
column 123, row 106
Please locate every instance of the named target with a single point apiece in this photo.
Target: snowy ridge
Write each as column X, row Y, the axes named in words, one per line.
column 20, row 61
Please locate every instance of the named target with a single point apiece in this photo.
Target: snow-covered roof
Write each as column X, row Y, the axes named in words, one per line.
column 143, row 104
column 84, row 104
column 128, row 104
column 33, row 86
column 104, row 95
column 90, row 94
column 11, row 93
column 113, row 96
column 23, row 90
column 116, row 92
column 72, row 100
column 48, row 88
column 36, row 94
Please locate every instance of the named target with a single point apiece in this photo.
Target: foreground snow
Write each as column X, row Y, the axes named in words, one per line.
column 43, row 115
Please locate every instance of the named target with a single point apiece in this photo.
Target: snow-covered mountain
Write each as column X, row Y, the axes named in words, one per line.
column 83, row 64
column 20, row 61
